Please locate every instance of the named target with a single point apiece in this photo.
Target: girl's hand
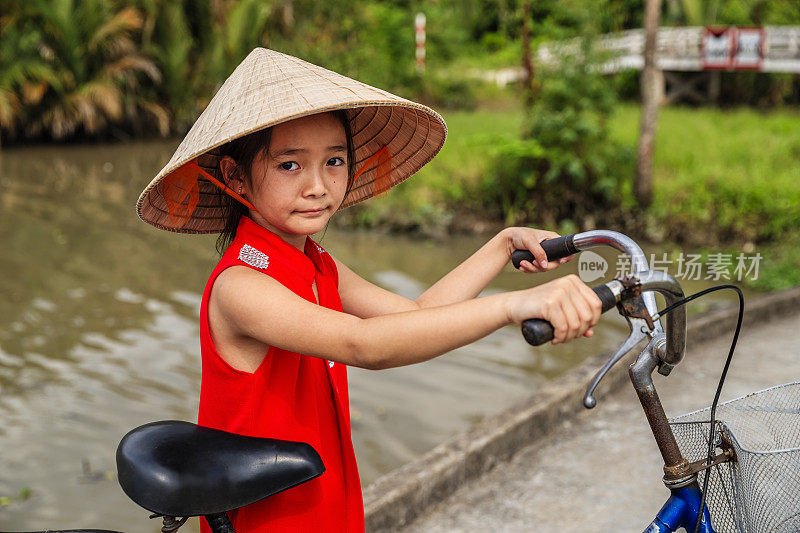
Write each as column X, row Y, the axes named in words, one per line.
column 567, row 303
column 529, row 239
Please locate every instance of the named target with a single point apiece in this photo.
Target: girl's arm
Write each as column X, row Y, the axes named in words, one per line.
column 466, row 281
column 469, row 278
column 257, row 307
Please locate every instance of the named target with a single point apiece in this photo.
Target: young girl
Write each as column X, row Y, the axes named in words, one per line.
column 281, row 147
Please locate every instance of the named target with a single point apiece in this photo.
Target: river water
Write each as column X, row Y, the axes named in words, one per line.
column 99, row 334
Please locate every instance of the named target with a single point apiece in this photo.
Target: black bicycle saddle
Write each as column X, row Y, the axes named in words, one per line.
column 181, row 469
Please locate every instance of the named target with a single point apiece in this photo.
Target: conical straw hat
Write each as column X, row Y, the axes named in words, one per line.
column 268, row 88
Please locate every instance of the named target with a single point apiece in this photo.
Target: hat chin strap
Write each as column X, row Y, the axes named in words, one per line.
column 230, row 192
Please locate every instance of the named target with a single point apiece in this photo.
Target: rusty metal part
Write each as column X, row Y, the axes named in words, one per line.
column 679, row 476
column 635, row 308
column 169, row 523
column 676, row 468
column 631, row 287
column 632, row 304
column 681, row 469
column 728, row 454
column 727, row 446
column 631, row 283
column 724, row 457
column 674, row 463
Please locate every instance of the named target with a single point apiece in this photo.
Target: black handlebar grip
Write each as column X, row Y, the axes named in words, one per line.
column 554, row 248
column 559, row 247
column 538, row 331
column 607, row 297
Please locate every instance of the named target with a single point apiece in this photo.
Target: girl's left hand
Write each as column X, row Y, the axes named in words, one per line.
column 520, row 238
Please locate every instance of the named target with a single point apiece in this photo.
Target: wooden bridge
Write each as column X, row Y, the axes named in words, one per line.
column 682, row 49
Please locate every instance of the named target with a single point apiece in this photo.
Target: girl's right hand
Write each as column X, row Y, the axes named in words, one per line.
column 567, row 303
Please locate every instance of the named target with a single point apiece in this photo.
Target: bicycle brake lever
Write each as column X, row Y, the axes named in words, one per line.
column 640, row 330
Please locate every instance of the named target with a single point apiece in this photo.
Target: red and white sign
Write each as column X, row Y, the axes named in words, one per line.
column 732, row 48
column 749, row 54
column 716, row 47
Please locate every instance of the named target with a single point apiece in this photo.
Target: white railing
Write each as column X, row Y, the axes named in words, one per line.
column 678, row 49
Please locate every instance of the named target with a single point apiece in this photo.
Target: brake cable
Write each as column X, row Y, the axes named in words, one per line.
column 719, row 385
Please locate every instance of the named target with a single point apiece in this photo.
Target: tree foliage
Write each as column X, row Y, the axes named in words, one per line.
column 71, row 68
column 564, row 166
column 83, row 67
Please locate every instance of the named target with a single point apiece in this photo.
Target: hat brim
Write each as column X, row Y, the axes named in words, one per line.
column 413, row 134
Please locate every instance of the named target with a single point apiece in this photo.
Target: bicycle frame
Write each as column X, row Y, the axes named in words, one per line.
column 680, row 511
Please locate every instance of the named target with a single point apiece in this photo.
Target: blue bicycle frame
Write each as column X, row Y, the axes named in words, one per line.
column 680, row 511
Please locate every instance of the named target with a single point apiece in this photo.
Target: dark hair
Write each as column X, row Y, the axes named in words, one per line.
column 244, row 151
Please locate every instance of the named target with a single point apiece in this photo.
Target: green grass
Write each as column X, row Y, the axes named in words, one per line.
column 733, row 174
column 507, row 55
column 469, row 148
column 730, row 174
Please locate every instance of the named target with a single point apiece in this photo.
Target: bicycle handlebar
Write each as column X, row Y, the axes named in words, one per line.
column 651, row 281
column 636, row 297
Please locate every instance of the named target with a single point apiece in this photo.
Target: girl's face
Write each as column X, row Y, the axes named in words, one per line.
column 301, row 181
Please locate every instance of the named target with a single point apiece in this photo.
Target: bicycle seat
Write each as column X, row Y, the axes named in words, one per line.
column 181, row 469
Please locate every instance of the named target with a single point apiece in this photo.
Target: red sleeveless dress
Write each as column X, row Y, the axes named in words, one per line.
column 291, row 396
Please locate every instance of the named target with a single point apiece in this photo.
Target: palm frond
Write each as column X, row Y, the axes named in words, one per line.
column 132, row 64
column 103, row 94
column 124, row 21
column 34, row 91
column 10, row 108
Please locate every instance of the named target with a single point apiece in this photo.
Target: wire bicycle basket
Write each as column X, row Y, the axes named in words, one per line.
column 759, row 491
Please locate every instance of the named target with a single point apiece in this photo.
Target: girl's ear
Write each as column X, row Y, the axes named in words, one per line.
column 231, row 174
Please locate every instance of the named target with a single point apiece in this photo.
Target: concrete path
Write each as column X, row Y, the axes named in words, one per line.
column 602, row 471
